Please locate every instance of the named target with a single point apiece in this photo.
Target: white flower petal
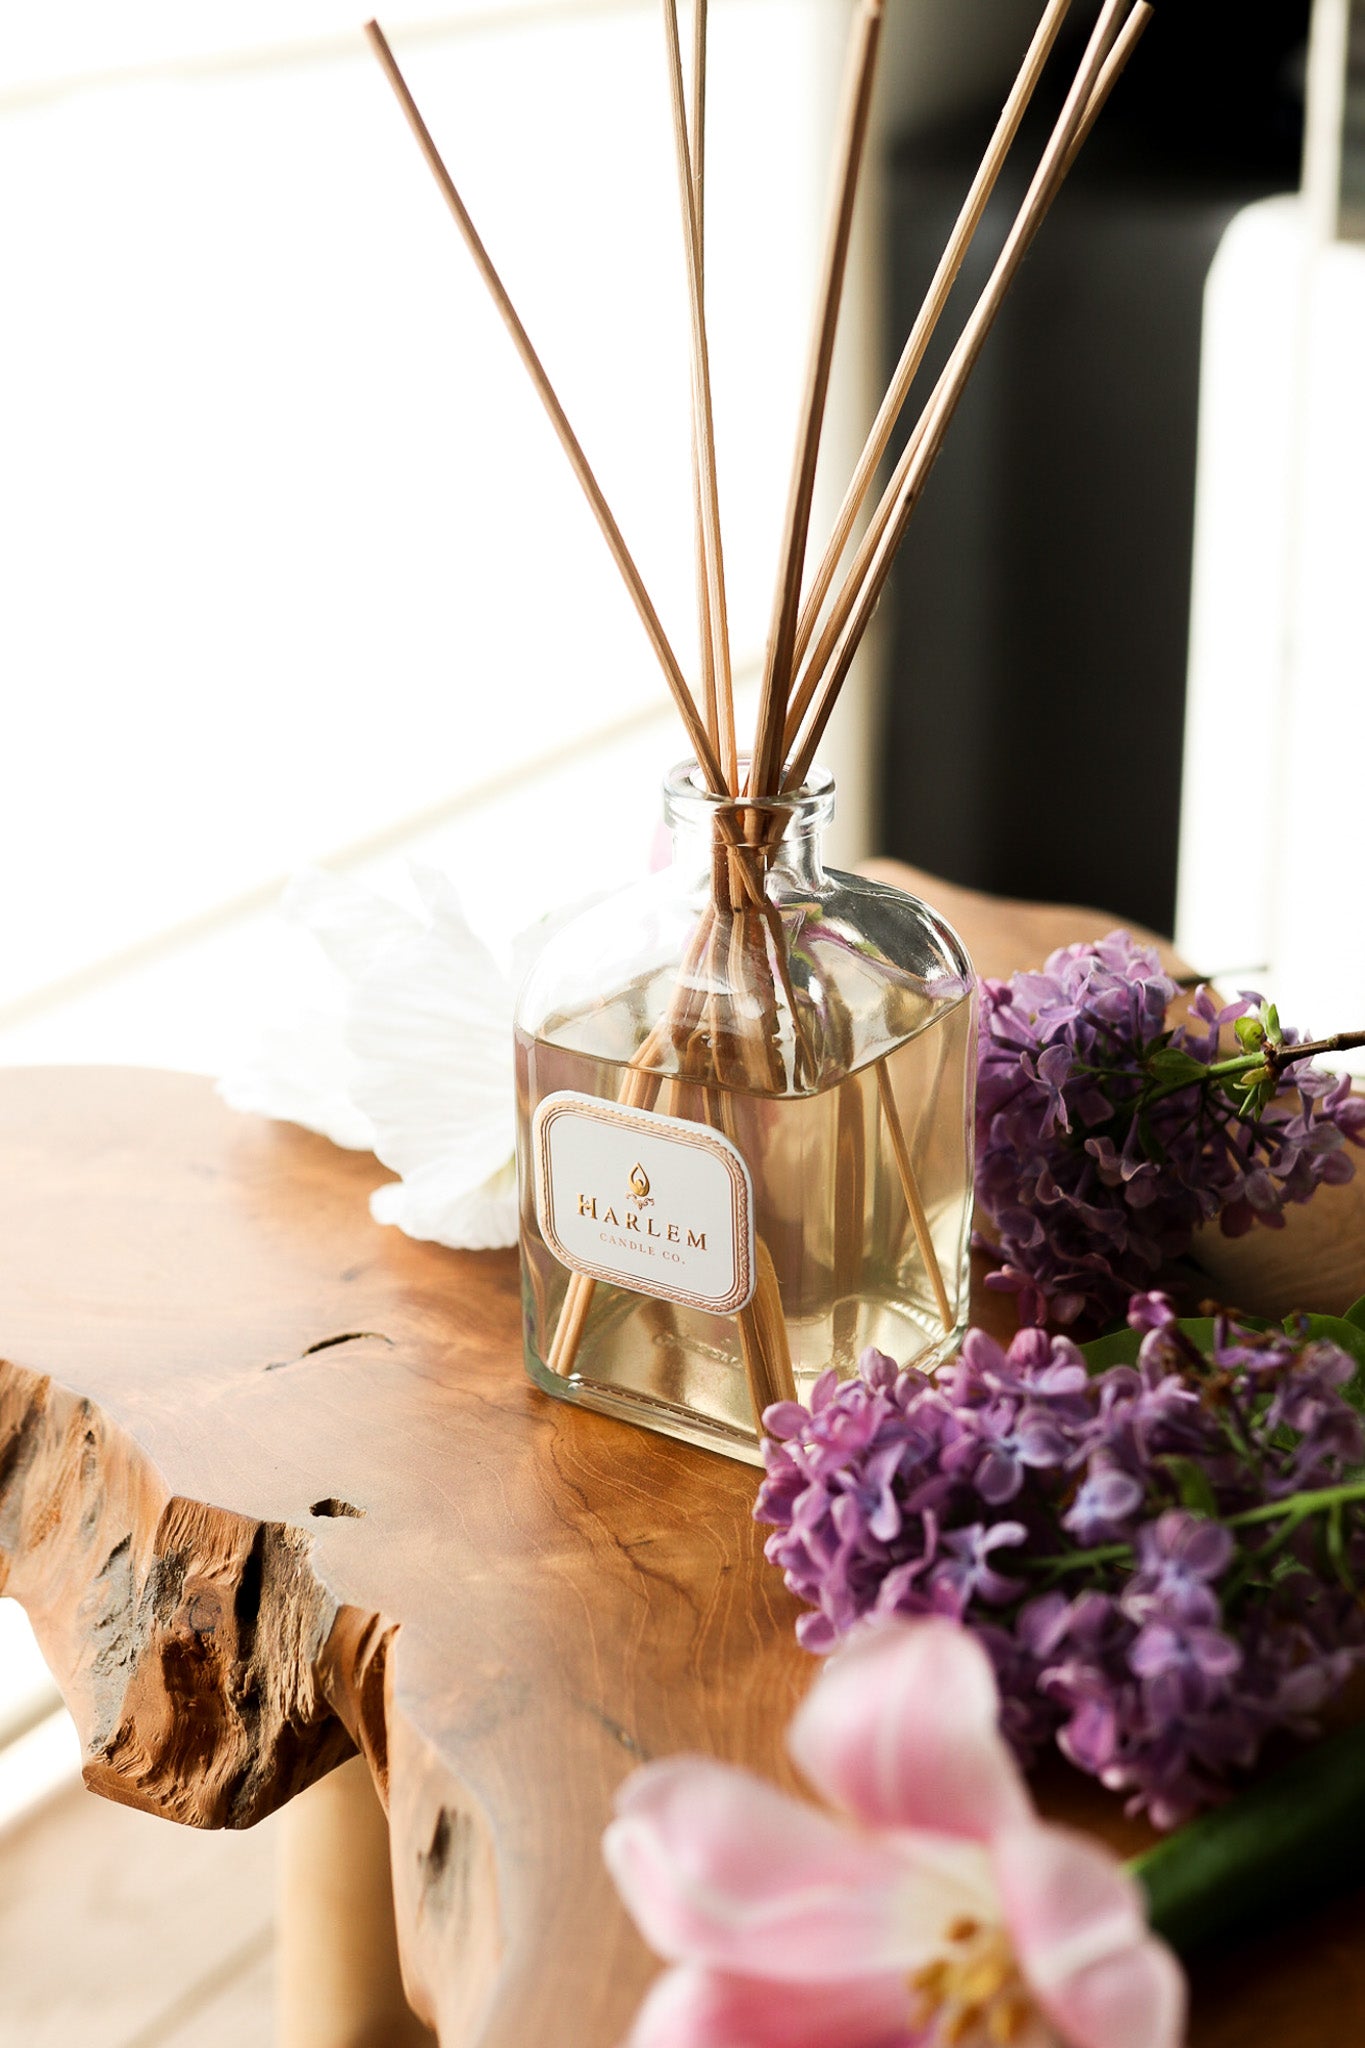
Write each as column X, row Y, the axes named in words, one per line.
column 352, row 925
column 418, row 1068
column 428, row 1206
column 303, row 1074
column 431, row 1029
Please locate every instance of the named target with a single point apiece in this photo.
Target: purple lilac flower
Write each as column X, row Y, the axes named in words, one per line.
column 1094, row 1171
column 1155, row 1598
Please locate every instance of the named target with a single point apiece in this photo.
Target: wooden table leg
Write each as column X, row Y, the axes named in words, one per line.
column 339, row 1980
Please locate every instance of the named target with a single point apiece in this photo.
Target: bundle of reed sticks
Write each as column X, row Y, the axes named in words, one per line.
column 818, row 621
column 736, row 1021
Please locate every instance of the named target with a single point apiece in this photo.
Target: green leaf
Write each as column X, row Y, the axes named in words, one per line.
column 1297, row 1835
column 1193, row 1486
column 1121, row 1347
column 1356, row 1313
column 1336, row 1545
column 1169, row 1063
column 1199, row 1330
column 1116, row 1347
column 1341, row 1330
column 1250, row 1033
column 1251, row 1092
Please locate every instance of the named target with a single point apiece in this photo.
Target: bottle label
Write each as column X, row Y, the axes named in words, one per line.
column 653, row 1203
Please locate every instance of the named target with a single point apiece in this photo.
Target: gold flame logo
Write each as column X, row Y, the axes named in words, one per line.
column 639, row 1183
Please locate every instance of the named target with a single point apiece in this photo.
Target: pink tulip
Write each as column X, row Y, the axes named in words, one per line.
column 940, row 1913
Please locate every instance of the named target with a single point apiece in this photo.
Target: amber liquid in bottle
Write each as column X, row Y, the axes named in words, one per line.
column 830, row 1212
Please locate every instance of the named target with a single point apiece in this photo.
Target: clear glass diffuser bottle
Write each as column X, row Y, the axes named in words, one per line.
column 744, row 1115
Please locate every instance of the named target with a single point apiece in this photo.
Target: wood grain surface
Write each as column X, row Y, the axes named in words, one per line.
column 273, row 1483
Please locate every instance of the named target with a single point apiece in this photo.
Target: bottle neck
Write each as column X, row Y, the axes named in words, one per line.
column 776, row 838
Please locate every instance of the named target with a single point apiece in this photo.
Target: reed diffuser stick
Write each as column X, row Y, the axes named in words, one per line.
column 710, row 702
column 701, row 392
column 914, row 1202
column 763, row 1340
column 697, row 124
column 678, row 1028
column 673, row 675
column 697, row 142
column 744, row 1059
column 866, row 580
column 756, row 1071
column 1129, row 36
column 929, row 315
column 854, row 116
column 818, row 662
column 759, row 1035
column 639, row 1088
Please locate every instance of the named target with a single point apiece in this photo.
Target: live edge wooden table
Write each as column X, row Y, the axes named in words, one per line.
column 274, row 1490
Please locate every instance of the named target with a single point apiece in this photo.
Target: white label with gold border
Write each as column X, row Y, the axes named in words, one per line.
column 649, row 1202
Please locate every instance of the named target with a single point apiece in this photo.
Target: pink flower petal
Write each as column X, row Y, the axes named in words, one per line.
column 691, row 2008
column 1135, row 2000
column 719, row 1868
column 1079, row 1926
column 901, row 1729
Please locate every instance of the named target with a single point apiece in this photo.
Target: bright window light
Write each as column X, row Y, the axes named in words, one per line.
column 290, row 553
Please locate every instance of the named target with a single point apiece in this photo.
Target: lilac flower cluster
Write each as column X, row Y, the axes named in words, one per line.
column 1161, row 1558
column 1101, row 1146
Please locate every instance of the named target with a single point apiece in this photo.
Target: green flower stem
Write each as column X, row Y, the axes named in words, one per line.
column 1299, row 1506
column 1287, row 1843
column 1271, row 1059
column 1080, row 1560
column 1243, row 1064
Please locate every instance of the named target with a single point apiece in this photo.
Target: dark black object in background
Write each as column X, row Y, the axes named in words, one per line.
column 1037, row 622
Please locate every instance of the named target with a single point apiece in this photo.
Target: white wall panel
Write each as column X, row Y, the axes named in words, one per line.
column 1271, row 878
